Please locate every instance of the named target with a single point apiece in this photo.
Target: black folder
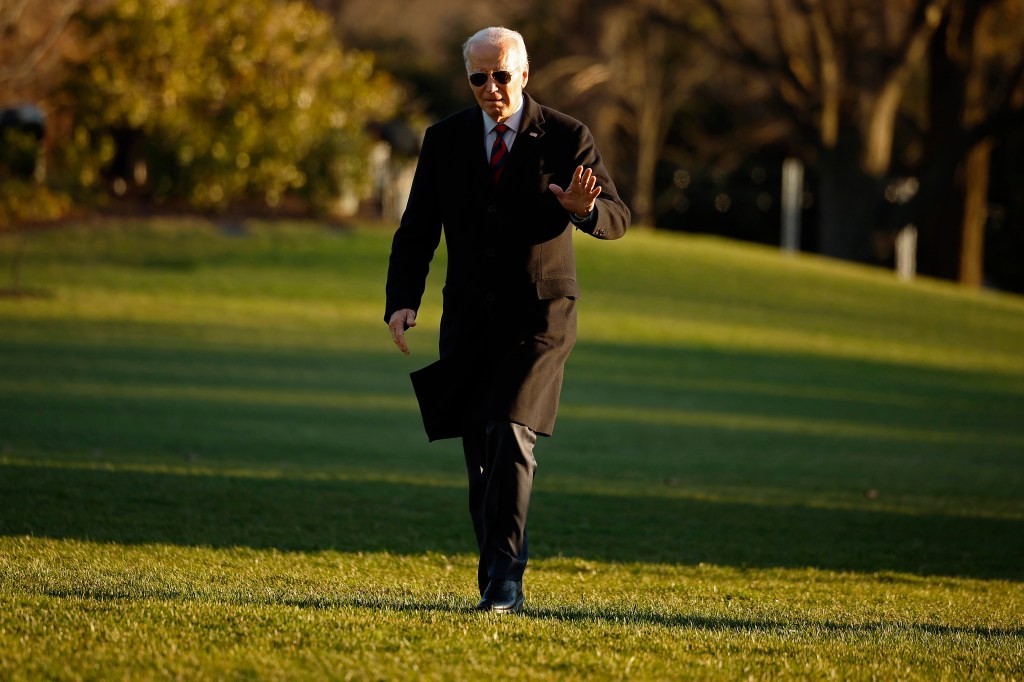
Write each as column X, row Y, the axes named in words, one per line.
column 442, row 392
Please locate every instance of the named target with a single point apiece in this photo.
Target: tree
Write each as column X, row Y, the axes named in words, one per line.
column 31, row 48
column 210, row 102
column 34, row 37
column 975, row 98
column 844, row 73
column 626, row 71
column 839, row 71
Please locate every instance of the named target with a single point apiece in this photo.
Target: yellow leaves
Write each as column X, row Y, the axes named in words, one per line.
column 128, row 9
column 242, row 96
column 338, row 119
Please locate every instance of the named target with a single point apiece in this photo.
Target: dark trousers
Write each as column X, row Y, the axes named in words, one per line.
column 501, row 466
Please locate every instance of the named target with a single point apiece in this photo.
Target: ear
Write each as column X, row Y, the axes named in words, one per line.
column 526, row 75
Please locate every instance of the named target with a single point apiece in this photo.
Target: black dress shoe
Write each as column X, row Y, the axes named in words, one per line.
column 502, row 596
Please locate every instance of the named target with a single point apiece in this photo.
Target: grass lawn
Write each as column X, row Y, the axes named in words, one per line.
column 212, row 466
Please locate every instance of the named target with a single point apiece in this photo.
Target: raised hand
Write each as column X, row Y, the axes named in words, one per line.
column 580, row 195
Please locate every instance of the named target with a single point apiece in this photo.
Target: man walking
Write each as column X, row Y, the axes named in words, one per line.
column 507, row 180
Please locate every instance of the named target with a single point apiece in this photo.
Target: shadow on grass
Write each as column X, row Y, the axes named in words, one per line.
column 829, row 628
column 281, row 407
column 453, row 604
column 617, row 616
column 309, row 514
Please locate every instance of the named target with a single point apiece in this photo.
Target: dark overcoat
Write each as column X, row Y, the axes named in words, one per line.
column 509, row 319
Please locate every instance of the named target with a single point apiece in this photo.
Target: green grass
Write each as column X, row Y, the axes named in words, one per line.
column 211, row 466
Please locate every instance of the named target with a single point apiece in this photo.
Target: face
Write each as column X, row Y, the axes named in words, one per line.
column 497, row 100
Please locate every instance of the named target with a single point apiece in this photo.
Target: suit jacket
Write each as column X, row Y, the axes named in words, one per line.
column 508, row 320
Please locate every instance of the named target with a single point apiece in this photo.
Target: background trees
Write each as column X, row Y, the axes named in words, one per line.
column 625, row 73
column 887, row 99
column 34, row 40
column 895, row 106
column 217, row 100
column 210, row 103
column 904, row 111
column 975, row 105
column 840, row 71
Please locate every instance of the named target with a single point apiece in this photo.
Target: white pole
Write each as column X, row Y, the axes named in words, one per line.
column 906, row 253
column 792, row 199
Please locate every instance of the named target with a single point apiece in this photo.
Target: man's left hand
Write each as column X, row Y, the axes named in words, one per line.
column 579, row 197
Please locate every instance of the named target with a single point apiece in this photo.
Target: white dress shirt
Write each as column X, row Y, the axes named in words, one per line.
column 510, row 134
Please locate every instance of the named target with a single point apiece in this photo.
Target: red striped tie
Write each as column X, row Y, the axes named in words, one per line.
column 498, row 151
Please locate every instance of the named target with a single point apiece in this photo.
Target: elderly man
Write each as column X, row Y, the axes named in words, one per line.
column 507, row 180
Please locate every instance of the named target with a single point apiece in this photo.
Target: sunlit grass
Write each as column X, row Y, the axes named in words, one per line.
column 211, row 465
column 170, row 611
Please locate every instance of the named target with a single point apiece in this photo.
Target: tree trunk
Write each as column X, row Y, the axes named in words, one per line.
column 649, row 129
column 979, row 159
column 953, row 229
column 939, row 233
column 975, row 215
column 847, row 202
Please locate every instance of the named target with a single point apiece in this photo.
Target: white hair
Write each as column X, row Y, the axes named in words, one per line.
column 499, row 37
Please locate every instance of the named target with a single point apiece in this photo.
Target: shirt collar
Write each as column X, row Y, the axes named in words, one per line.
column 512, row 122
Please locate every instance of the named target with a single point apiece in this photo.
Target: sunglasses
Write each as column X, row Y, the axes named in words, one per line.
column 500, row 77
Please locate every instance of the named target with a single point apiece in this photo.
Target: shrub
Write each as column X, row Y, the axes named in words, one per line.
column 214, row 101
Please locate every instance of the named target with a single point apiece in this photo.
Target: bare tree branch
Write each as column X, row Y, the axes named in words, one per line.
column 11, row 12
column 795, row 67
column 750, row 53
column 925, row 19
column 791, row 98
column 1005, row 116
column 831, row 81
column 23, row 68
column 1014, row 85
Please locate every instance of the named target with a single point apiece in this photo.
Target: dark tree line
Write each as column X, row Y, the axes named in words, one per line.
column 903, row 111
column 881, row 99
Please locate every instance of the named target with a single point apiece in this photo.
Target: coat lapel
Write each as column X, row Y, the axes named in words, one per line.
column 530, row 132
column 531, row 126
